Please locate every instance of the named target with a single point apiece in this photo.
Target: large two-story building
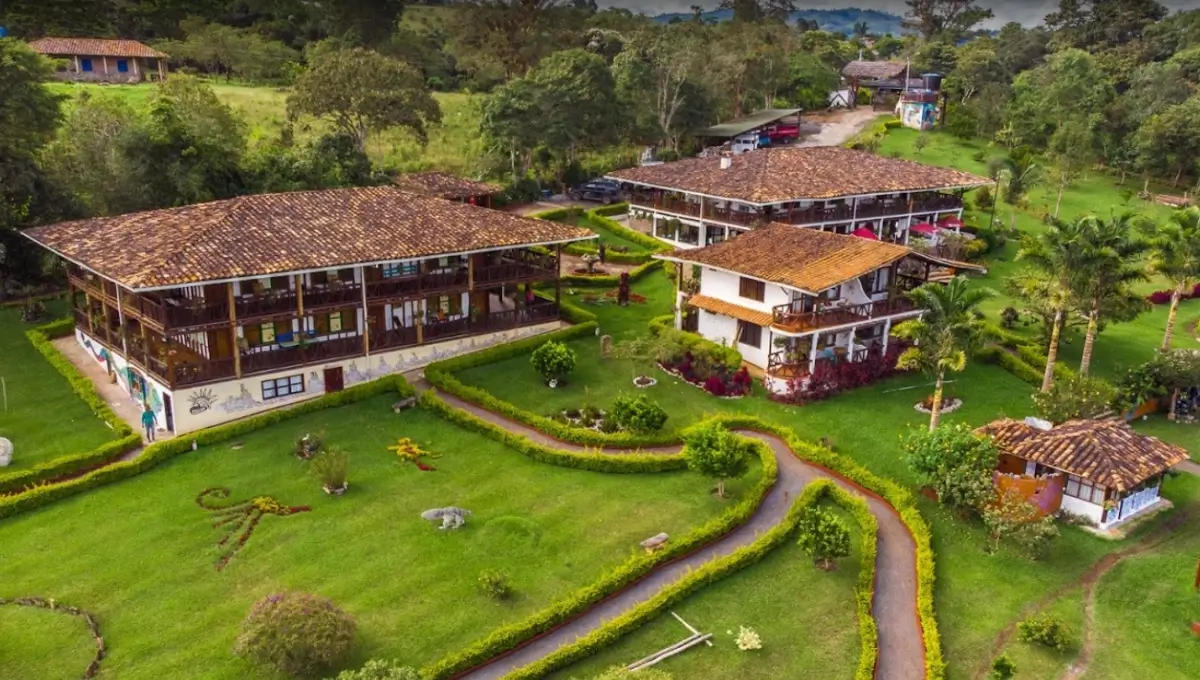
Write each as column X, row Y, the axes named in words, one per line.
column 215, row 311
column 697, row 202
column 790, row 299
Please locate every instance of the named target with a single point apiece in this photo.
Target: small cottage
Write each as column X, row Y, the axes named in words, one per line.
column 1098, row 469
column 96, row 60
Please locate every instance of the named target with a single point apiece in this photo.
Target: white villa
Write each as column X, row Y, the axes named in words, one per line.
column 1097, row 469
column 697, row 202
column 789, row 299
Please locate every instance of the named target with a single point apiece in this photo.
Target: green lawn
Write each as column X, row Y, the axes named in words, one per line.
column 52, row 645
column 1038, row 661
column 1182, row 434
column 44, row 419
column 454, row 146
column 804, row 616
column 608, row 237
column 140, row 554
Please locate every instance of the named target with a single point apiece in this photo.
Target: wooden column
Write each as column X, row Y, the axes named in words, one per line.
column 170, row 362
column 470, row 272
column 87, row 298
column 420, row 319
column 145, row 347
column 107, row 323
column 300, row 311
column 812, row 355
column 233, row 335
column 366, row 327
column 104, row 60
column 121, row 320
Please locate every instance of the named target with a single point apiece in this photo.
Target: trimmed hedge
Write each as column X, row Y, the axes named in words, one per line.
column 611, row 280
column 160, row 452
column 108, row 452
column 613, row 629
column 1016, row 355
column 601, row 217
column 638, row 565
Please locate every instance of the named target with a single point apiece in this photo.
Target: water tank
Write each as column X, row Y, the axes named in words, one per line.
column 931, row 81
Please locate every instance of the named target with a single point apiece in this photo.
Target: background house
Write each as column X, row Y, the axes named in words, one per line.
column 94, row 60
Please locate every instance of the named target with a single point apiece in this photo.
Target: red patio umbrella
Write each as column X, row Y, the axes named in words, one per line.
column 863, row 232
column 924, row 228
column 950, row 222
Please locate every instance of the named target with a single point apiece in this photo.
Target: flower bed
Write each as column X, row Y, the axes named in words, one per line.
column 589, row 418
column 830, row 379
column 949, row 404
column 716, row 379
column 1163, row 297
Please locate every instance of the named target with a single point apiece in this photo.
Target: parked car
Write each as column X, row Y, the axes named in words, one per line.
column 605, row 191
column 783, row 133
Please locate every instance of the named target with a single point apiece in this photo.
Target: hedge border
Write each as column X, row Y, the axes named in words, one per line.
column 645, row 261
column 83, row 387
column 41, row 297
column 511, row 636
column 613, row 629
column 160, row 452
column 1015, row 354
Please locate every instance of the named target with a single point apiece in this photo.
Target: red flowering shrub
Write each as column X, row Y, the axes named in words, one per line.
column 1160, row 297
column 716, row 378
column 715, row 385
column 831, row 378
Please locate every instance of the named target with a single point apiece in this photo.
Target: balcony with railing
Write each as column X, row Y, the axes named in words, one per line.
column 789, row 364
column 333, row 294
column 793, row 318
column 817, row 214
column 417, row 285
column 517, row 267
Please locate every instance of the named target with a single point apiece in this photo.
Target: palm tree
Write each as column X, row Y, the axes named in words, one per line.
column 1112, row 261
column 1057, row 258
column 947, row 329
column 1015, row 175
column 1175, row 254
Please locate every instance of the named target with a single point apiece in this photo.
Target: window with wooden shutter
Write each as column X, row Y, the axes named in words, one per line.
column 266, row 333
column 749, row 334
column 335, row 322
column 252, row 335
column 752, row 289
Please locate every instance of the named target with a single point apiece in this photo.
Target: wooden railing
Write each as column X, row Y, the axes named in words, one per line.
column 202, row 372
column 791, row 317
column 812, row 215
column 332, row 295
column 790, row 364
column 393, row 339
column 184, row 312
column 410, row 286
column 266, row 304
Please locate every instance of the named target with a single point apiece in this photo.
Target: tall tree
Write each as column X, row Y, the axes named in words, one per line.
column 944, row 333
column 1171, row 139
column 369, row 23
column 944, row 19
column 1068, row 89
column 362, row 92
column 1175, row 255
column 1070, row 152
column 1057, row 257
column 503, row 39
column 92, row 155
column 1097, row 24
column 658, row 78
column 755, row 11
column 1112, row 261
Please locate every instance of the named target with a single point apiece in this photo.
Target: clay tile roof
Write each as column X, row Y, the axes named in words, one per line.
column 780, row 174
column 729, row 309
column 878, row 70
column 1107, row 452
column 444, row 185
column 94, row 47
column 287, row 232
column 809, row 259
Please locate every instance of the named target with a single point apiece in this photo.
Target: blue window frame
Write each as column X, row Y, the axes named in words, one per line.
column 122, row 66
column 85, row 65
column 395, row 269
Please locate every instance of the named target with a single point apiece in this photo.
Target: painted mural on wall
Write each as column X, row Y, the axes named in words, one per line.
column 142, row 390
column 222, row 402
column 918, row 115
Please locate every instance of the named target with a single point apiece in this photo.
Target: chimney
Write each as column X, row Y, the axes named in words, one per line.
column 726, row 162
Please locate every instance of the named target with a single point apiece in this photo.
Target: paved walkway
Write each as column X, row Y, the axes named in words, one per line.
column 901, row 650
column 113, row 394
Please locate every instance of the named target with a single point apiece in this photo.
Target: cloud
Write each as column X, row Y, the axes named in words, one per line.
column 1028, row 12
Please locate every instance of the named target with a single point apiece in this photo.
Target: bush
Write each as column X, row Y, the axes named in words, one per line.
column 639, row 414
column 1045, row 629
column 296, row 633
column 554, row 361
column 378, row 669
column 494, row 585
column 331, row 467
column 984, row 200
column 823, row 537
column 1074, row 397
column 955, row 462
column 714, row 451
column 1009, row 318
column 1010, row 516
column 1002, row 668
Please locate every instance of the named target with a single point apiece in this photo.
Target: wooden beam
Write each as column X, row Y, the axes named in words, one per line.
column 470, row 272
column 233, row 336
column 87, row 298
column 366, row 327
column 145, row 347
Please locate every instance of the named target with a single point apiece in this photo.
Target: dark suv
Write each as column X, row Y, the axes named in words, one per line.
column 605, row 191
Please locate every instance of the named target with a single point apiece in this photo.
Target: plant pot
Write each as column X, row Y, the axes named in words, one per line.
column 552, row 383
column 335, row 492
column 644, row 381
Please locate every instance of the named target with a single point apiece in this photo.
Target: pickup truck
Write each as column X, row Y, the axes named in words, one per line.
column 783, row 133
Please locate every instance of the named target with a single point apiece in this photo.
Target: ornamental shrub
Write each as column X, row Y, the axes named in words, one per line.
column 1074, row 397
column 954, row 462
column 554, row 361
column 714, row 451
column 1002, row 668
column 639, row 414
column 1045, row 629
column 823, row 537
column 494, row 585
column 1013, row 517
column 378, row 669
column 299, row 634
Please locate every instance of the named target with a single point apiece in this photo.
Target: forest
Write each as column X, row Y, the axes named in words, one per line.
column 537, row 93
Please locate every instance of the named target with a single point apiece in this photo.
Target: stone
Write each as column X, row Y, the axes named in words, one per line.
column 655, row 543
column 6, row 452
column 606, row 346
column 452, row 518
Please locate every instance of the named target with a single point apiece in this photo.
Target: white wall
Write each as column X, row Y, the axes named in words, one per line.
column 156, row 394
column 726, row 286
column 208, row 405
column 1080, row 507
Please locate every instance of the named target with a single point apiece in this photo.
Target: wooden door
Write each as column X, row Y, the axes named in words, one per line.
column 334, row 380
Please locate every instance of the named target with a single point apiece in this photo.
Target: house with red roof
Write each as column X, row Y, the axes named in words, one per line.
column 98, row 60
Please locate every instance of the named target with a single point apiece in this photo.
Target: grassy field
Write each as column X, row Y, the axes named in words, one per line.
column 784, row 598
column 609, row 238
column 454, row 146
column 44, row 419
column 141, row 554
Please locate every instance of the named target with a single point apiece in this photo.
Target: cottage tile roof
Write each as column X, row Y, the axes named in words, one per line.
column 878, row 70
column 275, row 233
column 799, row 257
column 1106, row 452
column 780, row 174
column 443, row 185
column 94, row 47
column 729, row 309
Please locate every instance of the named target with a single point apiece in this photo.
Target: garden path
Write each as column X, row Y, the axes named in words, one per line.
column 901, row 648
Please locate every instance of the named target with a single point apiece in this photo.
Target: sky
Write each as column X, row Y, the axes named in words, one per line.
column 1029, row 12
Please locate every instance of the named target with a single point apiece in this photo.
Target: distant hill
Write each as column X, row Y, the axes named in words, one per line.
column 832, row 20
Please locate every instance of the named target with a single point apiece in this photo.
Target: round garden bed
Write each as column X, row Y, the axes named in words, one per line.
column 949, row 405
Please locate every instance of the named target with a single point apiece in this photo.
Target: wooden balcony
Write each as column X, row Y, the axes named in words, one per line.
column 812, row 215
column 279, row 357
column 335, row 295
column 788, row 364
column 791, row 317
column 416, row 286
column 214, row 370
